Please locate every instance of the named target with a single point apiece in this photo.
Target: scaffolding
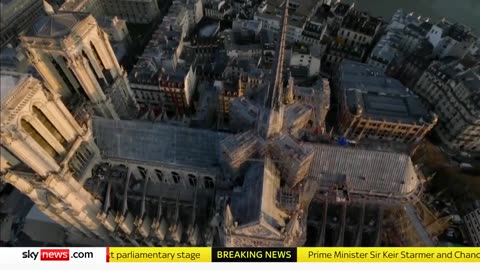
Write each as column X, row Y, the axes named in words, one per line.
column 295, row 157
column 237, row 149
column 416, row 225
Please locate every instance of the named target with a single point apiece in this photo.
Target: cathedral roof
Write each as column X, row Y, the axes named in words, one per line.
column 157, row 143
column 56, row 25
column 366, row 171
column 256, row 203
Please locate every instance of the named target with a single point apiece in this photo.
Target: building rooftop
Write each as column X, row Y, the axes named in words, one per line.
column 471, row 81
column 361, row 22
column 451, row 68
column 296, row 112
column 244, row 111
column 242, row 40
column 298, row 13
column 249, row 25
column 256, row 202
column 8, row 83
column 56, row 25
column 341, row 9
column 12, row 10
column 144, row 71
column 322, row 14
column 379, row 96
column 299, row 72
column 160, row 49
column 311, row 91
column 458, row 32
column 387, row 47
column 292, row 150
column 157, row 143
column 366, row 171
column 233, row 143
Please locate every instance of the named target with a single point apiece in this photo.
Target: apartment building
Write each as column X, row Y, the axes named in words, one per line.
column 452, row 89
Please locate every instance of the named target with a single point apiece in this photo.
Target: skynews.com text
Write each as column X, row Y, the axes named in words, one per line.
column 56, row 255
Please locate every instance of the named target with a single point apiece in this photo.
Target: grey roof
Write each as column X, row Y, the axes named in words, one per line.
column 144, row 71
column 246, row 205
column 299, row 71
column 340, row 9
column 56, row 25
column 379, row 172
column 157, row 143
column 471, row 79
column 322, row 13
column 459, row 32
column 387, row 47
column 252, row 25
column 314, row 90
column 361, row 22
column 407, row 109
column 7, row 54
column 9, row 81
column 256, row 203
column 294, row 112
column 244, row 107
column 381, row 97
column 209, row 30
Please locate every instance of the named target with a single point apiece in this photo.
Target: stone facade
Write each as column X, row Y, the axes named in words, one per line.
column 94, row 192
column 74, row 57
column 375, row 106
column 47, row 141
column 453, row 92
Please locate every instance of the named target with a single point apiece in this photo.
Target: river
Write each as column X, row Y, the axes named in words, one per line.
column 462, row 11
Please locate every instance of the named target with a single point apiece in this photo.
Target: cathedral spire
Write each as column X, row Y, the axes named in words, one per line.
column 271, row 117
column 274, row 95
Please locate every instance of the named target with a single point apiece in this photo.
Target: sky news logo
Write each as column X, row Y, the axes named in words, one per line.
column 62, row 254
column 48, row 255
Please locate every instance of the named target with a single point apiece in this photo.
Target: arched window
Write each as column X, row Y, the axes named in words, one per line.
column 159, row 175
column 97, row 55
column 80, row 89
column 208, row 182
column 30, row 130
column 49, row 125
column 176, row 177
column 192, row 179
column 62, row 74
column 100, row 80
column 106, row 72
column 142, row 171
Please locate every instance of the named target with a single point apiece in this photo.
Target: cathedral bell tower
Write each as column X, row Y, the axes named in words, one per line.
column 47, row 153
column 75, row 59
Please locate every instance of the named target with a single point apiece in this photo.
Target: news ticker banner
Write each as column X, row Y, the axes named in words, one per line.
column 301, row 254
column 227, row 255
